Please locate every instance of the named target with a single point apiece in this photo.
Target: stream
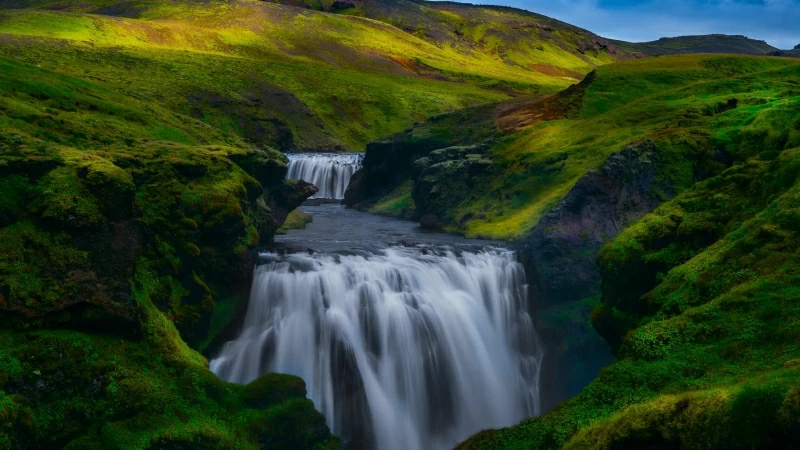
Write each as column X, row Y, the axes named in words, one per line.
column 406, row 339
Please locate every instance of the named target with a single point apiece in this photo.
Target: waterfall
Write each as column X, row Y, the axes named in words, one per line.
column 401, row 349
column 329, row 172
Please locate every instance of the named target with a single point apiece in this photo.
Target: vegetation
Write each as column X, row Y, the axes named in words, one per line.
column 138, row 178
column 286, row 77
column 692, row 107
column 698, row 296
column 297, row 220
column 121, row 239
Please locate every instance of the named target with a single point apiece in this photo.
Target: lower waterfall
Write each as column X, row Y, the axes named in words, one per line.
column 401, row 349
column 329, row 172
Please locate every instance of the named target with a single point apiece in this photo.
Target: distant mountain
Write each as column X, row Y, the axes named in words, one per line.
column 792, row 53
column 712, row 43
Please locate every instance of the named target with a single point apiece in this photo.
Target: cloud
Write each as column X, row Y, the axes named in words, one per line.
column 775, row 21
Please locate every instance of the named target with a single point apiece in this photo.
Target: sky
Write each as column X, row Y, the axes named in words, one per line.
column 774, row 21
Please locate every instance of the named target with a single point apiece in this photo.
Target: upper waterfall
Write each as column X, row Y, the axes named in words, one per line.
column 329, row 172
column 401, row 348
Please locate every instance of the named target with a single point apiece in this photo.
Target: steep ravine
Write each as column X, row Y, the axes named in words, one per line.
column 384, row 320
column 559, row 253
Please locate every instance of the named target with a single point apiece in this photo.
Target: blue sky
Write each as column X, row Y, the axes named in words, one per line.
column 775, row 21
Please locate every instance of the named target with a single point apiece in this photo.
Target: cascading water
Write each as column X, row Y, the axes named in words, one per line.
column 401, row 349
column 329, row 172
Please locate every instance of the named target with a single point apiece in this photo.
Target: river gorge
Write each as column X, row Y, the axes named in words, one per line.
column 406, row 339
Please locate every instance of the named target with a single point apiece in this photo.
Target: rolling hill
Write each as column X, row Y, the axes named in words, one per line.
column 712, row 43
column 299, row 79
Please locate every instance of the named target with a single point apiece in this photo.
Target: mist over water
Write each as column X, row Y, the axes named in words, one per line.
column 329, row 172
column 402, row 348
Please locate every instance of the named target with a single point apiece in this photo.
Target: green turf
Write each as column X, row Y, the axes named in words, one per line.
column 698, row 297
column 285, row 77
column 672, row 100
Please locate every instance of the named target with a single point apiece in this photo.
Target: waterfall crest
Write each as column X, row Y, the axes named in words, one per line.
column 329, row 172
column 402, row 349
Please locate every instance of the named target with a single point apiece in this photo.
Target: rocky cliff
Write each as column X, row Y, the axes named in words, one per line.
column 560, row 254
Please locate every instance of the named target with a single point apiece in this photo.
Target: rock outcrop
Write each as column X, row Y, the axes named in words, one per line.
column 390, row 161
column 560, row 255
column 562, row 248
column 442, row 178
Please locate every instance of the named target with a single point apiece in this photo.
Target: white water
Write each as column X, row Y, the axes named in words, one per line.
column 401, row 350
column 329, row 172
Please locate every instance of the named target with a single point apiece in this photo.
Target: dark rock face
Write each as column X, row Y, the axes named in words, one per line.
column 797, row 47
column 386, row 164
column 563, row 246
column 595, row 45
column 561, row 253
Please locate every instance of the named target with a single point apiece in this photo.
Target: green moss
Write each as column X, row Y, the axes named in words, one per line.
column 273, row 389
column 297, row 220
column 113, row 253
column 398, row 203
column 666, row 100
column 698, row 300
column 136, row 397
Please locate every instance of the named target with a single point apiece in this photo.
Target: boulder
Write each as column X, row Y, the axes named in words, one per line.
column 429, row 221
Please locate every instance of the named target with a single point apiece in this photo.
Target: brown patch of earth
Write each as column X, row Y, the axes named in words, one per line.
column 554, row 71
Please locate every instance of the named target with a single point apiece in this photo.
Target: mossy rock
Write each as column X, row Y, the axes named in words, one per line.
column 273, row 388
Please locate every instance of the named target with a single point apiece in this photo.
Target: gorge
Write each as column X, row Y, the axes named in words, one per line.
column 392, row 224
column 406, row 339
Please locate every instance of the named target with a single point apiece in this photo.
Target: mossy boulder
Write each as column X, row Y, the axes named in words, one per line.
column 78, row 390
column 272, row 389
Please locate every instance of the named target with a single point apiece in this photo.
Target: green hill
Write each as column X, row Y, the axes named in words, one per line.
column 298, row 79
column 541, row 147
column 697, row 300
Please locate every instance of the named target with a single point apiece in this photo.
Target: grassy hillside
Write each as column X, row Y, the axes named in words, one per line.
column 546, row 145
column 661, row 124
column 698, row 301
column 120, row 240
column 292, row 78
column 711, row 43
